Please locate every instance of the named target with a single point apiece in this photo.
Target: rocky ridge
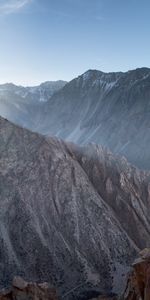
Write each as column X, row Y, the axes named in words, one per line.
column 57, row 220
column 111, row 109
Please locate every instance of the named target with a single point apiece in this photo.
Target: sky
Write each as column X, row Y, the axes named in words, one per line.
column 44, row 40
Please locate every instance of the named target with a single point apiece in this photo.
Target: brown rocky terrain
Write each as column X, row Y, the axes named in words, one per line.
column 137, row 287
column 138, row 281
column 138, row 284
column 22, row 290
column 71, row 216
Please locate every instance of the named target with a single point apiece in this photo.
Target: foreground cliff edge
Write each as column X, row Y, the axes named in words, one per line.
column 72, row 216
column 22, row 289
column 138, row 284
column 137, row 287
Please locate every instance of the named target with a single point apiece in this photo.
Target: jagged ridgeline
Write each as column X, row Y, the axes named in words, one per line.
column 73, row 216
column 111, row 109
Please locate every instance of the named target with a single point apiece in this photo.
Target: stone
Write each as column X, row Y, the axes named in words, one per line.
column 19, row 282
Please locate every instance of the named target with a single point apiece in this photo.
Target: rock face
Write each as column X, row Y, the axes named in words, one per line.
column 61, row 214
column 22, row 290
column 123, row 187
column 111, row 109
column 138, row 285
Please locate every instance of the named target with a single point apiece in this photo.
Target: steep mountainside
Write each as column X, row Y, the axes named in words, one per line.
column 111, row 109
column 23, row 105
column 68, row 215
column 123, row 187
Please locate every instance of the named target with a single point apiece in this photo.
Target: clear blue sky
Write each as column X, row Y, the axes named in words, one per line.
column 60, row 39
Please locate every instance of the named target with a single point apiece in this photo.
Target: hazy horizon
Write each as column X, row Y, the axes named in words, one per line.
column 61, row 79
column 49, row 41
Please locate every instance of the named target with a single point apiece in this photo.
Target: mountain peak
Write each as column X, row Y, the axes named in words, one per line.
column 91, row 72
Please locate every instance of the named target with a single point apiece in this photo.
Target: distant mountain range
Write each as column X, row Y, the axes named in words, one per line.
column 74, row 216
column 24, row 105
column 111, row 109
column 40, row 93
